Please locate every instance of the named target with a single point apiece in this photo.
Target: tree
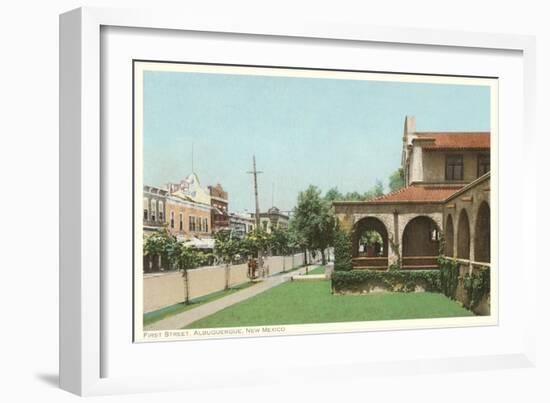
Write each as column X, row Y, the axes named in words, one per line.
column 297, row 239
column 256, row 243
column 186, row 258
column 396, row 180
column 354, row 196
column 333, row 194
column 159, row 245
column 313, row 219
column 371, row 239
column 280, row 241
column 175, row 253
column 227, row 249
column 375, row 191
column 378, row 188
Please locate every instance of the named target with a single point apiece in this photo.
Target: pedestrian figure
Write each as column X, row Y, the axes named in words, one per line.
column 252, row 266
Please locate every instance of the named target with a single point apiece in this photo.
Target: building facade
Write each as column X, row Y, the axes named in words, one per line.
column 273, row 218
column 220, row 207
column 456, row 158
column 154, row 208
column 184, row 208
column 241, row 224
column 187, row 219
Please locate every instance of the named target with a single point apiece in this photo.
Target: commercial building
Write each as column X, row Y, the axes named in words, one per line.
column 273, row 218
column 220, row 205
column 154, row 208
column 241, row 224
column 189, row 212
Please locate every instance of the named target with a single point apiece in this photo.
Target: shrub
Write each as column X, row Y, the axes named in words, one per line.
column 476, row 286
column 342, row 251
column 397, row 280
column 395, row 267
column 449, row 273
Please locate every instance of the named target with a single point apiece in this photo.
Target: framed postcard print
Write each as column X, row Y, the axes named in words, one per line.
column 287, row 189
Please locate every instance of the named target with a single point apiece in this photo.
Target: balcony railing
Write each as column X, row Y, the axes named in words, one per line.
column 419, row 262
column 151, row 223
column 466, row 262
column 370, row 263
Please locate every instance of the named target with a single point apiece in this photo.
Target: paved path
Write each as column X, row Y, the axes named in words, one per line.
column 183, row 319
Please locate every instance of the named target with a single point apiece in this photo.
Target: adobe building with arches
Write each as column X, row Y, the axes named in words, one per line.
column 444, row 206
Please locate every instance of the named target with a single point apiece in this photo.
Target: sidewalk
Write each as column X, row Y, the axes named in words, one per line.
column 183, row 319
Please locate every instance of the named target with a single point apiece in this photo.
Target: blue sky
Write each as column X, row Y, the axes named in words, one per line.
column 326, row 132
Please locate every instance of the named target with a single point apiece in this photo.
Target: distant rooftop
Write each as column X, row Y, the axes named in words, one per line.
column 454, row 140
column 414, row 194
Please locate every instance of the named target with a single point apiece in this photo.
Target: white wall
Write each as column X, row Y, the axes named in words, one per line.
column 164, row 289
column 28, row 163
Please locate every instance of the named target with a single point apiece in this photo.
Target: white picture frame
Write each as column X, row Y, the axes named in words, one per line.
column 82, row 176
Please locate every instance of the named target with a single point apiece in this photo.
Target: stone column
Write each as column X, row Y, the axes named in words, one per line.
column 471, row 223
column 393, row 257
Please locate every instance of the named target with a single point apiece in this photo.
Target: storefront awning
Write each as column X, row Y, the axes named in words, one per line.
column 205, row 243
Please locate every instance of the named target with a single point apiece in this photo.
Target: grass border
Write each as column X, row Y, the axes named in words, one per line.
column 170, row 310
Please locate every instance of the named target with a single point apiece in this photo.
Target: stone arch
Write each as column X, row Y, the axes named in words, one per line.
column 482, row 234
column 463, row 236
column 449, row 236
column 421, row 237
column 369, row 224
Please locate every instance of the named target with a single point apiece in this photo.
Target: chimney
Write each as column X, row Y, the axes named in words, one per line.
column 410, row 129
column 408, row 135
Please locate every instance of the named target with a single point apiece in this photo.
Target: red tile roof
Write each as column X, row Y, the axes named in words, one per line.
column 455, row 140
column 418, row 194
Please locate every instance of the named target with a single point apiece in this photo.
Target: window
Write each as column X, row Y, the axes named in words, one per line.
column 145, row 209
column 172, row 219
column 205, row 225
column 265, row 225
column 153, row 210
column 192, row 224
column 161, row 211
column 181, row 221
column 454, row 170
column 483, row 164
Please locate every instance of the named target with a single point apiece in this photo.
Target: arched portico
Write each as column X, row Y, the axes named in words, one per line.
column 370, row 243
column 482, row 234
column 463, row 236
column 449, row 236
column 420, row 243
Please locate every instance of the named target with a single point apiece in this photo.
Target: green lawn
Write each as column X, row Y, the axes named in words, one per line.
column 154, row 316
column 311, row 302
column 317, row 270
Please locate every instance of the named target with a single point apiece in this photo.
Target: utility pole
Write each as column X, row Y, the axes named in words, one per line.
column 255, row 173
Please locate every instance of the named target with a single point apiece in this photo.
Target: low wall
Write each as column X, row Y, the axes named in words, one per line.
column 168, row 288
column 484, row 305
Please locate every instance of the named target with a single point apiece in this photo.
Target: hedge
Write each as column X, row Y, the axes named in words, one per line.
column 396, row 280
